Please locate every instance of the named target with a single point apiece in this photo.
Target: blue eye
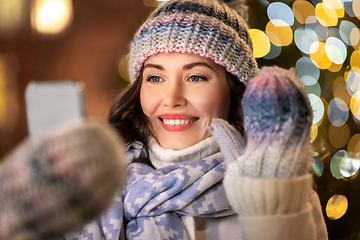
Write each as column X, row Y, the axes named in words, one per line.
column 197, row 78
column 154, row 79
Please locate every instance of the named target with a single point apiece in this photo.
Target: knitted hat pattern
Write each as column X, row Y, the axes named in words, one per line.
column 209, row 28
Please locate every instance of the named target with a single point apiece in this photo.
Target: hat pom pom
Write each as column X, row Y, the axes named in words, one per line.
column 239, row 6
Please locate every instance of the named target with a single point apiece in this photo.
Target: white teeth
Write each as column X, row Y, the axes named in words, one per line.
column 175, row 122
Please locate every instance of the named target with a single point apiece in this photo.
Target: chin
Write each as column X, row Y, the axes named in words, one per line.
column 178, row 144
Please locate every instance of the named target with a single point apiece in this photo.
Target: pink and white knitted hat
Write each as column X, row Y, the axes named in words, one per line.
column 210, row 28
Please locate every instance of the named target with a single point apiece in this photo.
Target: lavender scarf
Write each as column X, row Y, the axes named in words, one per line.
column 154, row 201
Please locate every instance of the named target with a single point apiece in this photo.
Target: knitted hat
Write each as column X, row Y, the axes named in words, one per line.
column 209, row 28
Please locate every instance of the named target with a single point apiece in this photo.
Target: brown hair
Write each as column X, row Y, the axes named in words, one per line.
column 128, row 118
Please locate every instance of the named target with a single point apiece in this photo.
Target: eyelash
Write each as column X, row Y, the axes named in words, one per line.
column 200, row 78
column 150, row 79
column 203, row 78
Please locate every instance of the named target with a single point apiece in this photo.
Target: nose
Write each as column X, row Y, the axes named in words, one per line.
column 174, row 95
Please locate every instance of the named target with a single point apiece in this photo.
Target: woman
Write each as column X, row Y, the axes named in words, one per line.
column 189, row 65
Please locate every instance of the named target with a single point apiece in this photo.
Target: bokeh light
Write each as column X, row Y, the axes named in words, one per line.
column 355, row 105
column 335, row 50
column 339, row 90
column 305, row 38
column 336, row 207
column 318, row 108
column 335, row 163
column 326, row 14
column 313, row 24
column 335, row 67
column 317, row 163
column 337, row 6
column 274, row 51
column 338, row 112
column 353, row 80
column 51, row 16
column 349, row 166
column 339, row 136
column 314, row 89
column 355, row 59
column 319, row 57
column 307, row 71
column 314, row 132
column 280, row 11
column 279, row 33
column 9, row 108
column 261, row 42
column 353, row 147
column 123, row 68
column 349, row 32
column 12, row 16
column 3, row 91
column 302, row 10
column 356, row 8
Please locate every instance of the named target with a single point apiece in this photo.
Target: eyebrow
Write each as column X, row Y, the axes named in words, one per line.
column 151, row 65
column 195, row 64
column 185, row 67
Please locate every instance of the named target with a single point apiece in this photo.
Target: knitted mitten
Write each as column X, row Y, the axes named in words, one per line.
column 277, row 121
column 59, row 180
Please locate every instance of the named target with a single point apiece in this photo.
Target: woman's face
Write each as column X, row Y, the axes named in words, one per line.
column 180, row 94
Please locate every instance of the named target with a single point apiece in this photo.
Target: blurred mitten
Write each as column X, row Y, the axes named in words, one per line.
column 58, row 181
column 271, row 174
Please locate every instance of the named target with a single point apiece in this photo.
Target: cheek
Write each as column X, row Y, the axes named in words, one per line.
column 215, row 103
column 147, row 102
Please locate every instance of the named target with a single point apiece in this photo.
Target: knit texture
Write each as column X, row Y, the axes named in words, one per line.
column 154, row 200
column 59, row 180
column 271, row 196
column 270, row 174
column 205, row 27
column 277, row 121
column 161, row 157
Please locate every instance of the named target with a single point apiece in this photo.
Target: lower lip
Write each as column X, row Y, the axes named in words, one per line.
column 176, row 128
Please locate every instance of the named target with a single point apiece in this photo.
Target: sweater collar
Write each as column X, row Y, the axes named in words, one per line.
column 161, row 157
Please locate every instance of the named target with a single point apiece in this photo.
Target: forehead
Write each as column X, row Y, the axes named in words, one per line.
column 180, row 59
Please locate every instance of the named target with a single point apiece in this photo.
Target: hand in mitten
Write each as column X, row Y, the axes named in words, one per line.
column 270, row 175
column 59, row 180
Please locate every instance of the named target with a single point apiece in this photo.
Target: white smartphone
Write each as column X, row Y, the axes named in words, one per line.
column 51, row 104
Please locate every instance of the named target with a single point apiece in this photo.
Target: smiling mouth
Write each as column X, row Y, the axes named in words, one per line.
column 178, row 122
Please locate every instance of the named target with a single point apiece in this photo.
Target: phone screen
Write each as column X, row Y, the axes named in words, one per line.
column 51, row 104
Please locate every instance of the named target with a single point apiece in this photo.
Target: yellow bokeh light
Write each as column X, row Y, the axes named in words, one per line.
column 319, row 57
column 123, row 68
column 336, row 207
column 261, row 42
column 355, row 38
column 356, row 8
column 355, row 59
column 337, row 5
column 354, row 145
column 3, row 92
column 326, row 14
column 355, row 104
column 302, row 10
column 279, row 34
column 335, row 67
column 12, row 16
column 9, row 108
column 51, row 16
column 339, row 136
column 340, row 91
column 314, row 132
